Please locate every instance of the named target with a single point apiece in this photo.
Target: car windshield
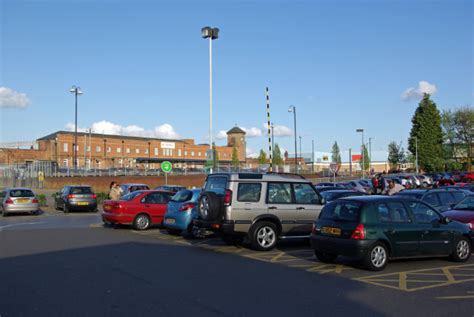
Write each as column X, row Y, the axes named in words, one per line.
column 328, row 195
column 466, row 204
column 21, row 193
column 131, row 196
column 182, row 196
column 81, row 190
column 342, row 210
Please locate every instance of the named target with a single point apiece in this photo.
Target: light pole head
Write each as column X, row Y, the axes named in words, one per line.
column 360, row 130
column 206, row 32
column 215, row 33
column 73, row 89
column 290, row 109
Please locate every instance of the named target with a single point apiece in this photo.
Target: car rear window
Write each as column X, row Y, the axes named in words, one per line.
column 182, row 196
column 342, row 210
column 21, row 193
column 81, row 190
column 216, row 184
column 130, row 196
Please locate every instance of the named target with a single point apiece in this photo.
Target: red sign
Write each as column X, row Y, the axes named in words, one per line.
column 356, row 157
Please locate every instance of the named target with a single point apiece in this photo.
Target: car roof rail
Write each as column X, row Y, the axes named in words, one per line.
column 287, row 174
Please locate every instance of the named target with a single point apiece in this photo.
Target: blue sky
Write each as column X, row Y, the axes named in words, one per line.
column 343, row 64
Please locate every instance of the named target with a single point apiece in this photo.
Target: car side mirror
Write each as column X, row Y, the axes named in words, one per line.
column 446, row 220
column 323, row 201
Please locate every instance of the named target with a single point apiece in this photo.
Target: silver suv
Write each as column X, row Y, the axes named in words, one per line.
column 261, row 207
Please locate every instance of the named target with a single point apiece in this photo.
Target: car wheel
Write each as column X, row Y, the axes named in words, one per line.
column 263, row 236
column 141, row 222
column 377, row 257
column 209, row 206
column 325, row 257
column 56, row 207
column 4, row 214
column 462, row 250
column 65, row 209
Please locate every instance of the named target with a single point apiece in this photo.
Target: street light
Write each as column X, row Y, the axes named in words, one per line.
column 210, row 33
column 293, row 109
column 362, row 150
column 76, row 91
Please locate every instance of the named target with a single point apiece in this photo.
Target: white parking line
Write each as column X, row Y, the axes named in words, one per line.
column 19, row 224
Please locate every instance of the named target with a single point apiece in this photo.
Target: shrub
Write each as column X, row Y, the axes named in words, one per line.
column 101, row 197
column 42, row 200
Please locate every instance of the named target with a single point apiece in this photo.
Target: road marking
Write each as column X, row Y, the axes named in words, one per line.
column 409, row 281
column 458, row 297
column 19, row 224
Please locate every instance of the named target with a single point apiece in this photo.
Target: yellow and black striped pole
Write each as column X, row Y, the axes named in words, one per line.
column 269, row 133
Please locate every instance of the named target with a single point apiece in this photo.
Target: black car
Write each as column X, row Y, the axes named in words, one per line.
column 330, row 195
column 76, row 198
column 375, row 229
column 442, row 199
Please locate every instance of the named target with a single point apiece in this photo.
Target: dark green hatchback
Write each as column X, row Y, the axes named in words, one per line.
column 375, row 229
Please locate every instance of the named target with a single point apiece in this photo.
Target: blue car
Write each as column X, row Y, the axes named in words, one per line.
column 182, row 209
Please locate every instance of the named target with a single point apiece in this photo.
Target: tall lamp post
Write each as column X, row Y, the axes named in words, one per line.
column 210, row 33
column 362, row 150
column 76, row 91
column 370, row 155
column 293, row 109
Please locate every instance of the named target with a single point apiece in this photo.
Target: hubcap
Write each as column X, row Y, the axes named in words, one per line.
column 266, row 236
column 142, row 222
column 462, row 249
column 378, row 256
column 204, row 207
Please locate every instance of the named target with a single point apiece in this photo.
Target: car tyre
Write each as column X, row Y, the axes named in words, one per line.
column 141, row 222
column 263, row 236
column 65, row 209
column 325, row 257
column 376, row 258
column 209, row 206
column 462, row 250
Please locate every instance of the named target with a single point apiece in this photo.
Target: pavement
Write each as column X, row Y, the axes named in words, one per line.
column 56, row 264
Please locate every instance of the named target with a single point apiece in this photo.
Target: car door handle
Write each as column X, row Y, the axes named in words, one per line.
column 272, row 207
column 300, row 208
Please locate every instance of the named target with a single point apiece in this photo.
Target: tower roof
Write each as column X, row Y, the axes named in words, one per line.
column 236, row 130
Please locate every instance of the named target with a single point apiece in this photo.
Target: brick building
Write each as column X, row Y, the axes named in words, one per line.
column 116, row 151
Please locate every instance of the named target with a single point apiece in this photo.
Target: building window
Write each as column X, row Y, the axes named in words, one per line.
column 179, row 152
column 77, row 148
column 119, row 150
column 156, row 151
column 146, row 151
column 88, row 163
column 109, row 149
column 199, row 153
column 65, row 162
column 88, row 149
column 128, row 150
column 137, row 151
column 192, row 153
column 185, row 153
column 65, row 147
column 97, row 149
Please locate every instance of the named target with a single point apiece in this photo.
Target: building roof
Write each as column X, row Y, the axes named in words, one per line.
column 235, row 130
column 52, row 136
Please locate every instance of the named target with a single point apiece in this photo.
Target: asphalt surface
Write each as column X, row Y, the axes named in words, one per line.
column 70, row 265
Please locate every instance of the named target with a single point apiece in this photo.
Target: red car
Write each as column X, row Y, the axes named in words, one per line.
column 141, row 209
column 463, row 212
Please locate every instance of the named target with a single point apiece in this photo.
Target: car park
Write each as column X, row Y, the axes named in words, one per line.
column 441, row 199
column 18, row 200
column 130, row 188
column 463, row 212
column 76, row 198
column 141, row 209
column 374, row 229
column 260, row 207
column 170, row 188
column 330, row 195
column 181, row 210
column 355, row 185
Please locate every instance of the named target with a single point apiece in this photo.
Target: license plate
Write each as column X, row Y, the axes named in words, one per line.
column 82, row 203
column 170, row 221
column 22, row 201
column 330, row 230
column 107, row 207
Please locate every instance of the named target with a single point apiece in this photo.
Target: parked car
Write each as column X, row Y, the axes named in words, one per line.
column 76, row 198
column 355, row 185
column 262, row 207
column 442, row 199
column 321, row 189
column 130, row 188
column 328, row 184
column 463, row 212
column 181, row 211
column 375, row 229
column 18, row 200
column 170, row 188
column 141, row 209
column 467, row 177
column 330, row 195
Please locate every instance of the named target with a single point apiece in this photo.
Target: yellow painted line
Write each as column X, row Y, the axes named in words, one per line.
column 96, row 225
column 456, row 297
column 403, row 281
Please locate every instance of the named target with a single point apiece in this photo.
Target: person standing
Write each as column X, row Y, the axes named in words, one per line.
column 393, row 188
column 115, row 191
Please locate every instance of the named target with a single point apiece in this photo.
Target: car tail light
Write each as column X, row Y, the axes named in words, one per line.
column 228, row 197
column 313, row 229
column 71, row 196
column 187, row 206
column 34, row 201
column 9, row 201
column 215, row 225
column 359, row 232
column 94, row 196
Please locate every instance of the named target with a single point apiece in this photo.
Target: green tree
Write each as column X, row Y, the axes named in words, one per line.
column 365, row 163
column 262, row 157
column 396, row 155
column 336, row 154
column 464, row 130
column 235, row 157
column 214, row 163
column 277, row 159
column 426, row 131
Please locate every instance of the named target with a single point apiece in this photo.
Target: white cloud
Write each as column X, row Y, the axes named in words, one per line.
column 417, row 93
column 10, row 98
column 164, row 131
column 252, row 132
column 251, row 153
column 280, row 130
column 221, row 135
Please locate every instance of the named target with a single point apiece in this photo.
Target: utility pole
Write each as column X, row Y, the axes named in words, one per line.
column 370, row 155
column 312, row 155
column 350, row 162
column 416, row 155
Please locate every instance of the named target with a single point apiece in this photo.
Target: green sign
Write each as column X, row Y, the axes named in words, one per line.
column 166, row 166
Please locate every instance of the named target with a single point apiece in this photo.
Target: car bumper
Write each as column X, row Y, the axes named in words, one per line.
column 344, row 247
column 224, row 227
column 20, row 208
column 79, row 206
column 112, row 218
column 180, row 220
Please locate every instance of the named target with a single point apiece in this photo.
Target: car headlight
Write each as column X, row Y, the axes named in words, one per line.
column 469, row 225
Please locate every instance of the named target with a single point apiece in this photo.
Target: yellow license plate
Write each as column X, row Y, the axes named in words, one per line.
column 330, row 230
column 82, row 203
column 170, row 221
column 22, row 201
column 107, row 207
